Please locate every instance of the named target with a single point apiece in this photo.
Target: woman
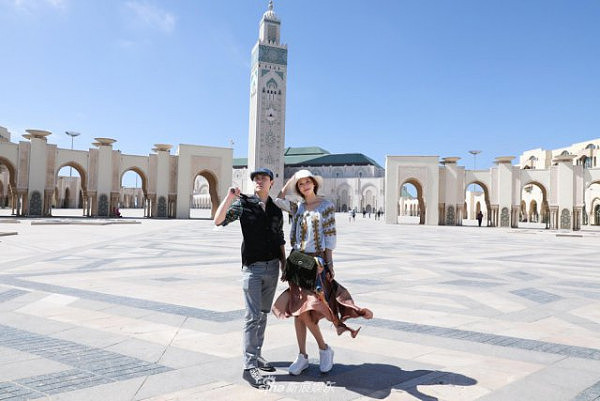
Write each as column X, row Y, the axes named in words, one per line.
column 313, row 232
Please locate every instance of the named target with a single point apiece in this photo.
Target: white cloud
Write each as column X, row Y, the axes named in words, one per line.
column 152, row 16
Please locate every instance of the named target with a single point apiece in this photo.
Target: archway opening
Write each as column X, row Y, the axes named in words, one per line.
column 8, row 188
column 204, row 195
column 343, row 198
column 201, row 202
column 534, row 211
column 477, row 205
column 592, row 204
column 132, row 194
column 69, row 192
column 369, row 201
column 411, row 206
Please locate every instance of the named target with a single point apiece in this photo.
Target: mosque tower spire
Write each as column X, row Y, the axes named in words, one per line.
column 268, row 77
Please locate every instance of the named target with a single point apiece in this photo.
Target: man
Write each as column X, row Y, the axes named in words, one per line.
column 263, row 254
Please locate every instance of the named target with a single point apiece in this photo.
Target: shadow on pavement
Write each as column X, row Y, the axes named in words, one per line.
column 370, row 379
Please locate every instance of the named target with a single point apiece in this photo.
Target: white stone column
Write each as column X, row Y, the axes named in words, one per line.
column 105, row 177
column 162, row 179
column 505, row 188
column 37, row 172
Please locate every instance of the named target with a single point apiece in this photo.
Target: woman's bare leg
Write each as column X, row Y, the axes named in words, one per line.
column 300, row 334
column 310, row 322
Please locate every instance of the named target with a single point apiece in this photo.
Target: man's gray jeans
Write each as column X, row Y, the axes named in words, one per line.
column 259, row 281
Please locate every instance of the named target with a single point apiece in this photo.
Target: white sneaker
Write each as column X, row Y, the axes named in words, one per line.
column 299, row 365
column 326, row 359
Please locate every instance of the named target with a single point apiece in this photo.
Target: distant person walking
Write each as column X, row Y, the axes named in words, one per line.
column 263, row 255
column 479, row 218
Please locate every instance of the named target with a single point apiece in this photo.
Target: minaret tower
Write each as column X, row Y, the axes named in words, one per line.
column 267, row 99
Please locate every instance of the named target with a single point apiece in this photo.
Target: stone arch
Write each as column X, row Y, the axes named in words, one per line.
column 596, row 211
column 12, row 176
column 80, row 169
column 592, row 196
column 83, row 180
column 585, row 161
column 486, row 198
column 212, row 180
column 142, row 175
column 343, row 197
column 544, row 209
column 369, row 205
column 200, row 193
column 420, row 199
column 592, row 183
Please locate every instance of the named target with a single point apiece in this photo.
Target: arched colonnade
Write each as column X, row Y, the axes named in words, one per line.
column 31, row 171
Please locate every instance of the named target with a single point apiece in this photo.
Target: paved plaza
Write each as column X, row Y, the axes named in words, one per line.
column 138, row 309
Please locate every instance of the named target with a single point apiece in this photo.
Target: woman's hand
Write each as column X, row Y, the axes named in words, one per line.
column 320, row 268
column 331, row 272
column 286, row 187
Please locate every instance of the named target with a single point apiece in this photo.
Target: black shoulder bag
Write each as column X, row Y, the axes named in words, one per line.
column 301, row 269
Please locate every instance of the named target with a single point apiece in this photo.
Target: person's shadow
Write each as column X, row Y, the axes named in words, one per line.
column 375, row 380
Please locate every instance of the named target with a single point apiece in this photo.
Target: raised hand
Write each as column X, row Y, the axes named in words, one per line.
column 233, row 192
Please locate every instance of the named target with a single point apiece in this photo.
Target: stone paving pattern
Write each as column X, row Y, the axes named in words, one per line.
column 153, row 311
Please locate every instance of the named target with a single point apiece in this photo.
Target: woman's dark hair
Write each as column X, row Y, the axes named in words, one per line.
column 315, row 189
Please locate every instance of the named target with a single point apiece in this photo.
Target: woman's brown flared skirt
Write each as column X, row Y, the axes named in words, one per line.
column 334, row 303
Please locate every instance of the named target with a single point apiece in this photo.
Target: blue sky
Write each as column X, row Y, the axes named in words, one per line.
column 397, row 77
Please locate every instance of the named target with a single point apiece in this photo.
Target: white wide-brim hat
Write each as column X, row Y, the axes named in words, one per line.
column 306, row 174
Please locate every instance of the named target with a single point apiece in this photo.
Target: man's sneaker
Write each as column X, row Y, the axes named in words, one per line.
column 299, row 365
column 326, row 359
column 263, row 364
column 254, row 377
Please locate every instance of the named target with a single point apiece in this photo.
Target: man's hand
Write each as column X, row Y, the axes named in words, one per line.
column 282, row 263
column 221, row 212
column 233, row 192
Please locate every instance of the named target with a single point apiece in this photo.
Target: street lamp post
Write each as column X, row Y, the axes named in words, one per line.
column 474, row 153
column 72, row 134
